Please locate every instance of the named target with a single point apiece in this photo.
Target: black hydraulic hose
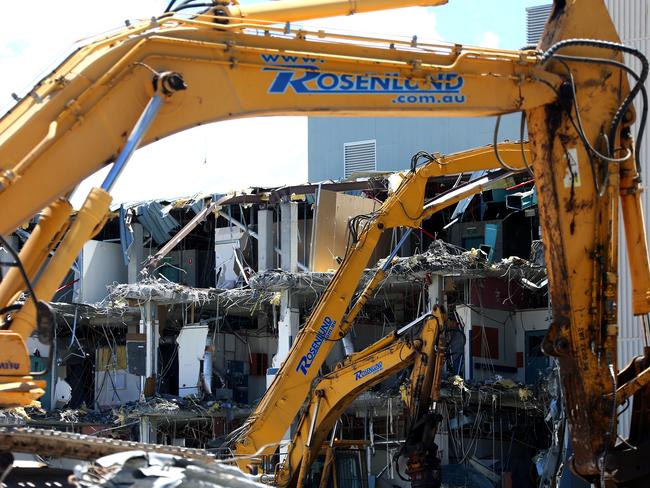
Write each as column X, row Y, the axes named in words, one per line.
column 20, row 266
column 637, row 79
column 645, row 67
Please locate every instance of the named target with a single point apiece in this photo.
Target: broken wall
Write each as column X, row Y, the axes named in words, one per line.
column 330, row 237
column 228, row 241
column 502, row 342
column 102, row 264
column 233, row 353
column 114, row 385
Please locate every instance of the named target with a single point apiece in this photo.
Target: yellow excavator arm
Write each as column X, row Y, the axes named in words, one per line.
column 359, row 372
column 330, row 320
column 79, row 117
column 156, row 78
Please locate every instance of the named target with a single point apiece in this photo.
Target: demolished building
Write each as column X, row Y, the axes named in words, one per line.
column 177, row 316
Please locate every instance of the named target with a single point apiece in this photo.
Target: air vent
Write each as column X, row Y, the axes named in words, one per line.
column 359, row 157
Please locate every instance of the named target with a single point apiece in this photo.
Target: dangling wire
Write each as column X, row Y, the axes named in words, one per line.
column 522, row 126
column 496, row 147
column 645, row 68
column 636, row 77
column 623, row 107
column 18, row 263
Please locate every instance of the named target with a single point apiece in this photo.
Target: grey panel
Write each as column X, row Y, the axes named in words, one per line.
column 136, row 356
column 397, row 139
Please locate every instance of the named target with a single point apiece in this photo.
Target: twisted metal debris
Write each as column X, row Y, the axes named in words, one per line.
column 161, row 470
column 441, row 257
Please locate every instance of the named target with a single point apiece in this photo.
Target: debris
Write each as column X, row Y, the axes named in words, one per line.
column 155, row 404
column 160, row 291
column 458, row 383
column 71, row 416
column 441, row 257
column 142, row 469
column 505, row 383
column 14, row 416
column 525, row 394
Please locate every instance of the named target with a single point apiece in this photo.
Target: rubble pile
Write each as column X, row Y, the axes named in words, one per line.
column 147, row 469
column 158, row 290
column 278, row 280
column 453, row 260
column 441, row 257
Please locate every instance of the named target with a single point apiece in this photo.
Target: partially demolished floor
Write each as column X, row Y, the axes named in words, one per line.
column 487, row 423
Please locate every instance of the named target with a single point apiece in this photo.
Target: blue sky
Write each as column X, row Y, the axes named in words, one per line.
column 464, row 21
column 28, row 49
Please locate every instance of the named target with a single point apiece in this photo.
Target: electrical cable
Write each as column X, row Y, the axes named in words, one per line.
column 10, row 308
column 579, row 120
column 600, row 186
column 169, row 6
column 428, row 157
column 182, row 4
column 502, row 163
column 522, row 126
column 550, row 53
column 21, row 268
column 578, row 128
column 633, row 74
column 193, row 5
column 575, row 126
column 627, row 405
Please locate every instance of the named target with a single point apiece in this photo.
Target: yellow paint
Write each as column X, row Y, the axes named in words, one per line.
column 83, row 110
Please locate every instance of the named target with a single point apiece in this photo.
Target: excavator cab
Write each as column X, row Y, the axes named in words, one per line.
column 341, row 465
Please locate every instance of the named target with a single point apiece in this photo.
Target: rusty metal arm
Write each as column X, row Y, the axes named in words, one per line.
column 628, row 389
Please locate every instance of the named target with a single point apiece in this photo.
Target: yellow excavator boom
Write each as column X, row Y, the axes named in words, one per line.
column 155, row 78
column 335, row 392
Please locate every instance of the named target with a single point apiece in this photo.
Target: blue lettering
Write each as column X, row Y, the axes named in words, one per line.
column 411, row 85
column 302, row 365
column 9, row 365
column 375, row 368
column 306, row 78
column 362, row 83
column 377, row 83
column 331, row 85
column 347, row 82
column 323, row 334
column 284, row 79
column 270, row 58
column 437, row 85
column 459, row 82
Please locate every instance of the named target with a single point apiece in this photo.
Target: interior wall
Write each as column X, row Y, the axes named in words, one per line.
column 102, row 264
column 333, row 212
column 512, row 327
